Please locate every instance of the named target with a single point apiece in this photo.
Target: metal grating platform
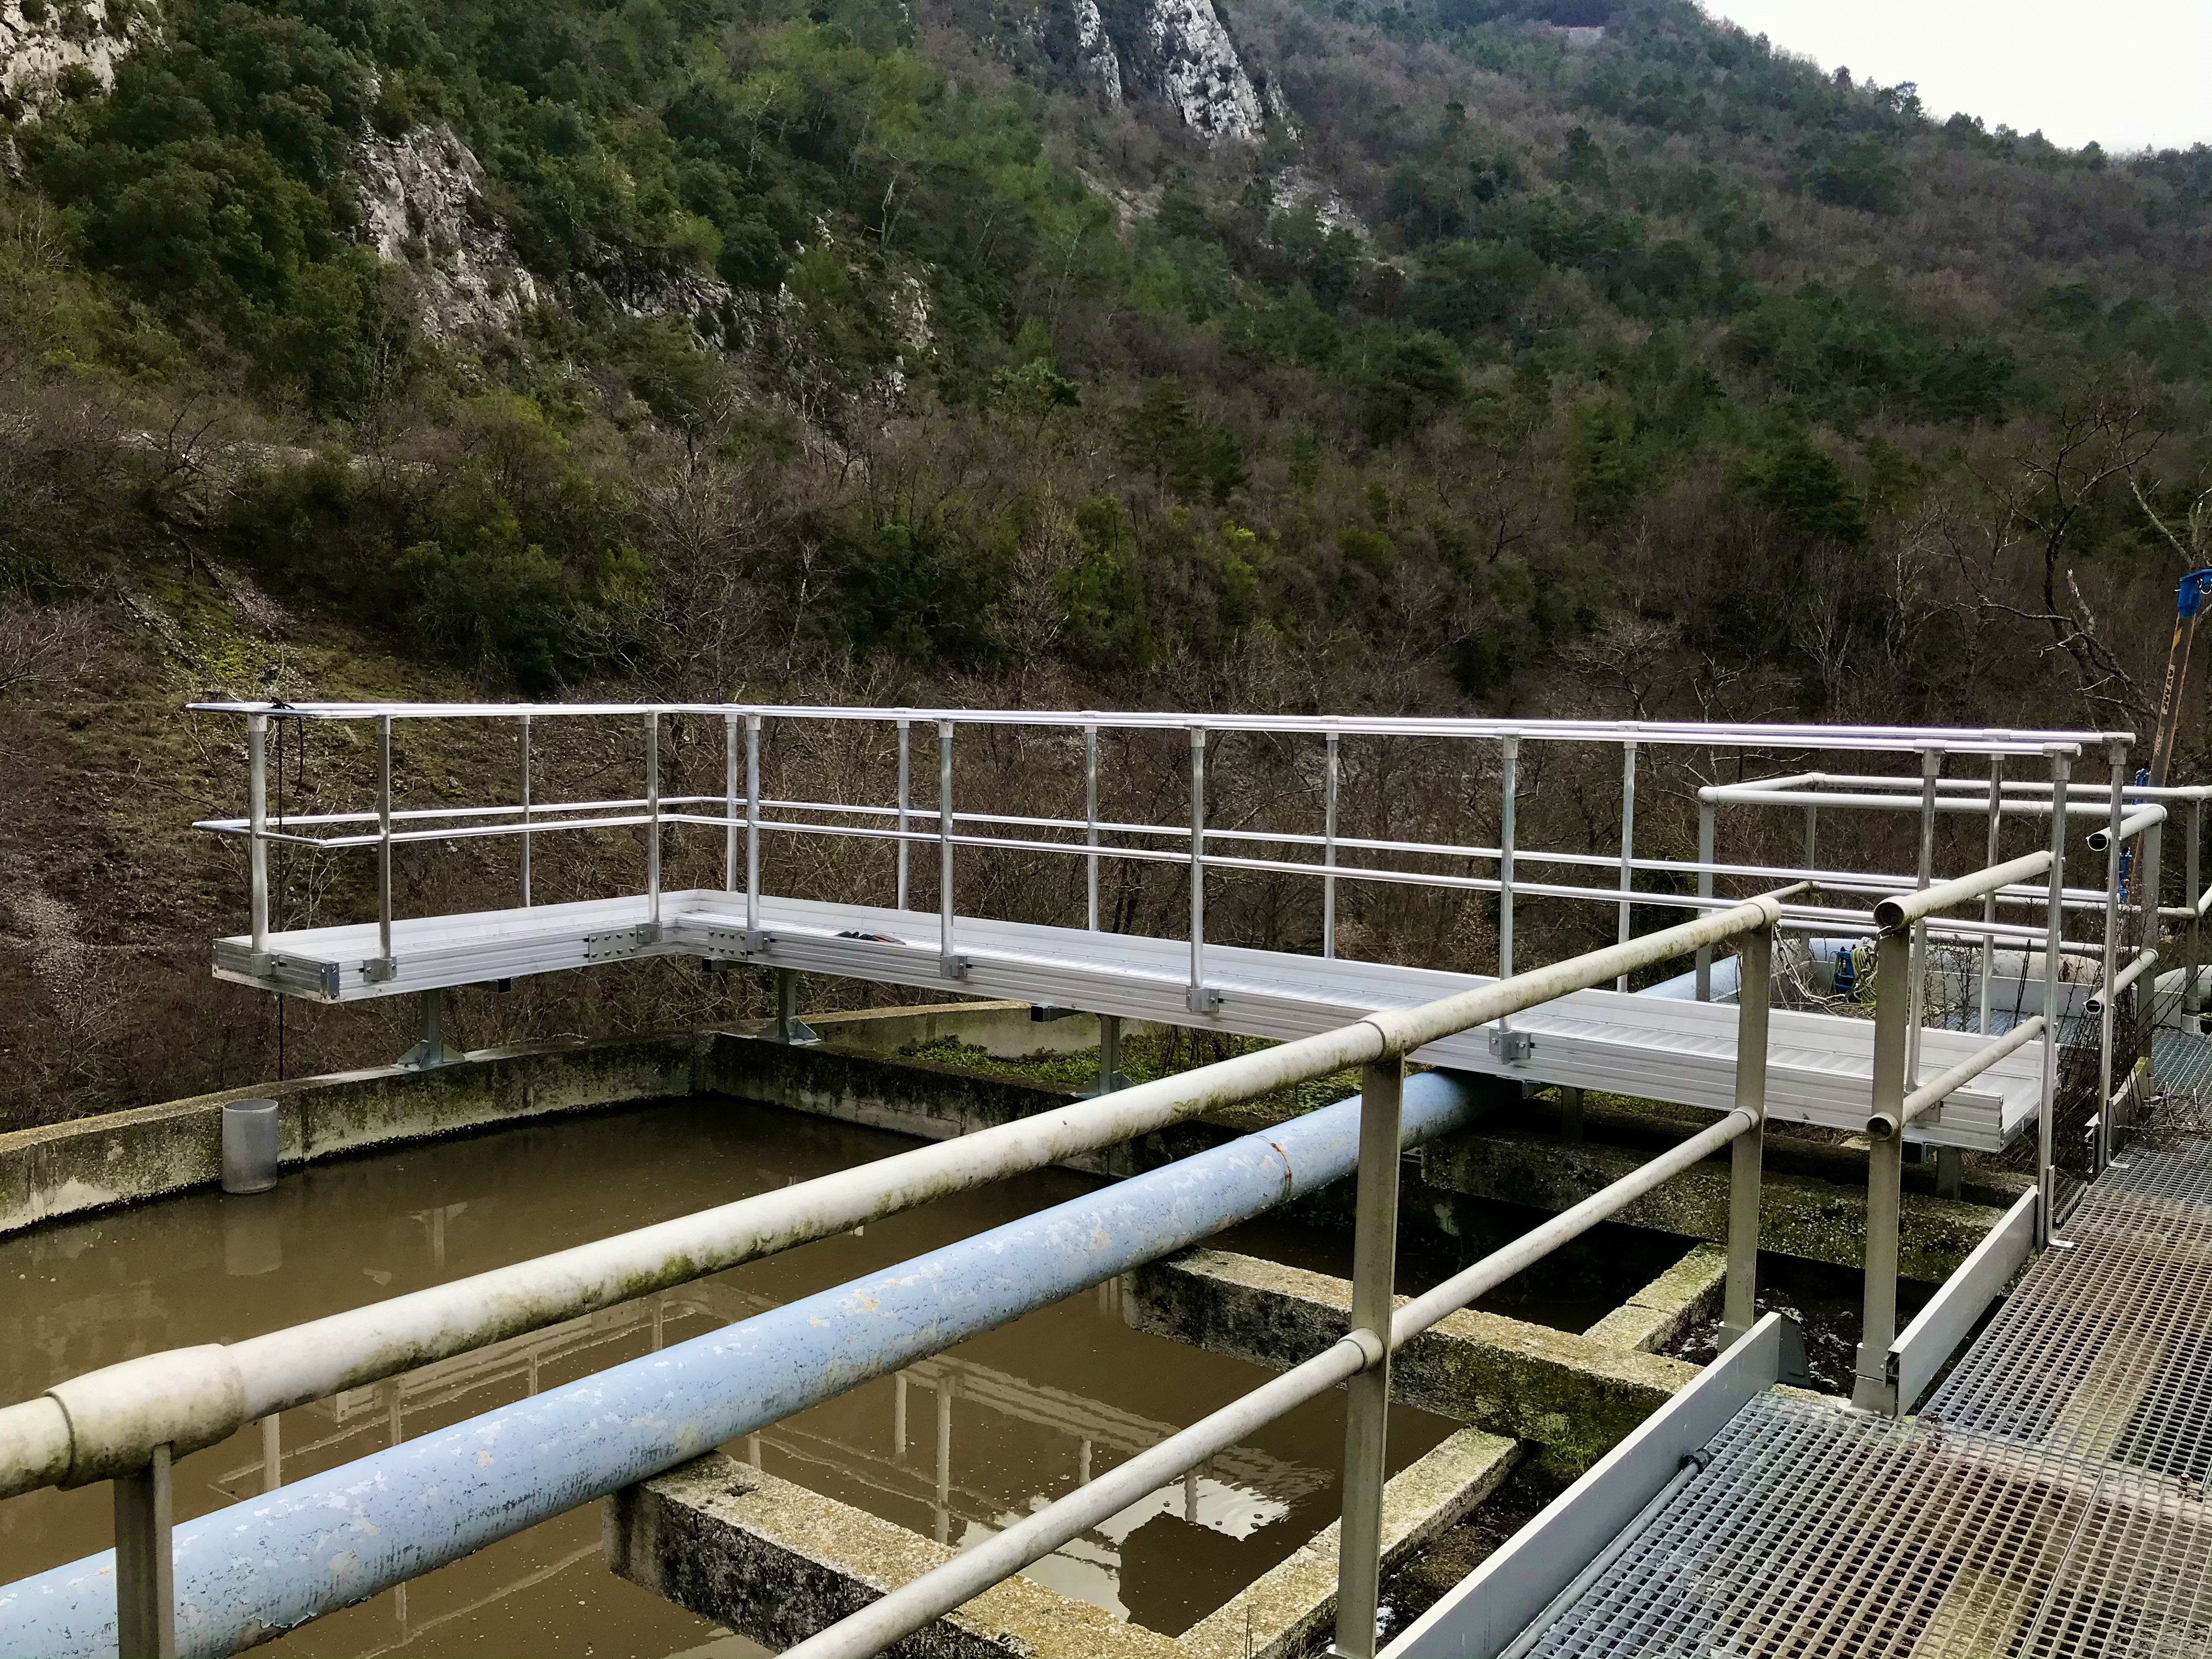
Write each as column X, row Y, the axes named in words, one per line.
column 2183, row 1061
column 2048, row 1501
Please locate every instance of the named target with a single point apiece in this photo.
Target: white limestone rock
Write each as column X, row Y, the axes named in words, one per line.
column 422, row 208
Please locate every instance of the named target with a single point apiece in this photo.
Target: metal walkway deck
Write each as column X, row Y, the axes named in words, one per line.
column 1819, row 1066
column 2049, row 1500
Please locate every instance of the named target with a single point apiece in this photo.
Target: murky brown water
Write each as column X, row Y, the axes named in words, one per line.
column 991, row 1428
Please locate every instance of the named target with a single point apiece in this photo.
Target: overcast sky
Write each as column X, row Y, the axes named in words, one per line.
column 2129, row 74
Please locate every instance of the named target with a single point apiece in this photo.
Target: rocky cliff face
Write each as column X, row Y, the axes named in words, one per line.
column 1179, row 51
column 422, row 208
column 45, row 45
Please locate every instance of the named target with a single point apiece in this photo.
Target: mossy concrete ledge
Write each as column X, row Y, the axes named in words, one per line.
column 1656, row 1316
column 1798, row 1215
column 1281, row 1612
column 120, row 1157
column 777, row 1562
column 1574, row 1397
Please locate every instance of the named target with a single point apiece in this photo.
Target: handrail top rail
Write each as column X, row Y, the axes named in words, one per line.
column 1904, row 908
column 1907, row 739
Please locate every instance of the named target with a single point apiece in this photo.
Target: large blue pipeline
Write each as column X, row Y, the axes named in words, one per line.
column 255, row 1569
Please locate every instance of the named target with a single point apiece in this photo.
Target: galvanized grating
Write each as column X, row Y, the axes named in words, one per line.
column 2048, row 1501
column 2181, row 1059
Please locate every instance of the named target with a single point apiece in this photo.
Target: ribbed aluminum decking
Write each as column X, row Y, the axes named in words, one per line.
column 2047, row 1501
column 1819, row 1070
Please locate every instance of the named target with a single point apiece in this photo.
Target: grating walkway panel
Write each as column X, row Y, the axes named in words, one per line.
column 2048, row 1501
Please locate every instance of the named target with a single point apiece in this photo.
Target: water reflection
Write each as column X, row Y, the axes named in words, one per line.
column 953, row 1448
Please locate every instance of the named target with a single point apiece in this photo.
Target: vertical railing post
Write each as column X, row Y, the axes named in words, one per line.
column 526, row 813
column 1509, row 765
column 1871, row 1388
column 2114, row 853
column 1746, row 1153
column 1627, row 841
column 1990, row 900
column 145, row 1586
column 386, row 964
column 752, row 832
column 1200, row 998
column 905, row 802
column 730, row 803
column 1703, row 958
column 2054, row 935
column 2192, row 995
column 1331, row 776
column 1090, row 827
column 2144, row 994
column 257, row 845
column 948, row 961
column 652, row 823
column 1931, row 767
column 1367, row 1405
column 1813, row 847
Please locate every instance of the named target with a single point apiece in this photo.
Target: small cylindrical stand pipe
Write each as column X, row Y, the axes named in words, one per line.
column 1109, row 1053
column 1367, row 1404
column 1989, row 901
column 948, row 962
column 752, row 831
column 653, row 818
column 1090, row 827
column 1871, row 1389
column 1705, row 835
column 1331, row 774
column 384, row 839
column 1197, row 999
column 1627, row 843
column 526, row 809
column 257, row 846
column 898, row 1414
column 730, row 803
column 249, row 1146
column 145, row 1582
column 1509, row 764
column 905, row 804
column 1754, row 996
column 2046, row 1180
column 273, row 1451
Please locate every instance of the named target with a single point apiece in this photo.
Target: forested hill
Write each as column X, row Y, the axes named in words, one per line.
column 1278, row 353
column 1285, row 355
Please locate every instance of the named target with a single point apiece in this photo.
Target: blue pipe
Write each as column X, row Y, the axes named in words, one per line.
column 249, row 1571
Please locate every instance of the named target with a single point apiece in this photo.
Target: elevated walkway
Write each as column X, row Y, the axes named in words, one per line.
column 2048, row 1500
column 1820, row 1066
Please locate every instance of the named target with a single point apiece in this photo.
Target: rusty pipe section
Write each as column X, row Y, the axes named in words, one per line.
column 245, row 1573
column 109, row 1421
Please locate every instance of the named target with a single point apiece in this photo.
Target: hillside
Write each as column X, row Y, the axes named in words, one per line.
column 1480, row 354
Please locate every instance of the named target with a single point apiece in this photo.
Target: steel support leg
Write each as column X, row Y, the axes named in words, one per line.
column 1748, row 1151
column 430, row 1049
column 1367, row 1404
column 1109, row 1054
column 789, row 1028
column 145, row 1587
column 1570, row 1112
column 1871, row 1388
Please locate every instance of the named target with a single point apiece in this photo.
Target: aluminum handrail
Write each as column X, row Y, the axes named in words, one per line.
column 975, row 1570
column 1744, row 795
column 1882, row 1125
column 2143, row 962
column 1902, row 909
column 2130, row 826
column 108, row 1421
column 1962, row 740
